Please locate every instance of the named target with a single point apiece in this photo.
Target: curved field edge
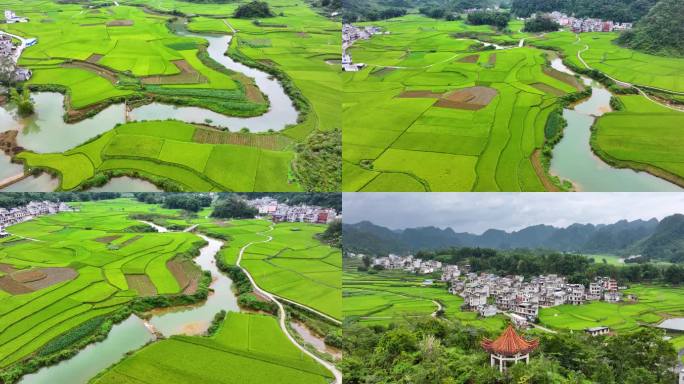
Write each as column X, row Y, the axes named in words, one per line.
column 172, row 155
column 634, row 165
column 247, row 347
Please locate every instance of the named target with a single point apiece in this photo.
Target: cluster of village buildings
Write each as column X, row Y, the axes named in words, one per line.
column 9, row 50
column 27, row 212
column 489, row 294
column 351, row 34
column 280, row 212
column 578, row 25
column 11, row 18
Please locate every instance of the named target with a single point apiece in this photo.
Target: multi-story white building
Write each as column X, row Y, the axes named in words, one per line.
column 33, row 209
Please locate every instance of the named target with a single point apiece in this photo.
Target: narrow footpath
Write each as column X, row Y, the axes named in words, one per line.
column 626, row 84
column 281, row 310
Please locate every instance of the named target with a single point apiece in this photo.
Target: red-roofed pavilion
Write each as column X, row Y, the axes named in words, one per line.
column 509, row 347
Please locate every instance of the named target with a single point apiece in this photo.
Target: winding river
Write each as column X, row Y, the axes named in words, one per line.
column 574, row 160
column 133, row 333
column 46, row 131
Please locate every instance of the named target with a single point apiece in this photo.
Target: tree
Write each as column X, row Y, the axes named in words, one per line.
column 541, row 23
column 234, row 208
column 253, row 10
column 659, row 32
column 24, row 102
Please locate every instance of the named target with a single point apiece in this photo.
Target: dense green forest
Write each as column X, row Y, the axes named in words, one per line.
column 253, row 10
column 578, row 268
column 541, row 23
column 495, row 19
column 433, row 350
column 660, row 32
column 370, row 10
column 616, row 10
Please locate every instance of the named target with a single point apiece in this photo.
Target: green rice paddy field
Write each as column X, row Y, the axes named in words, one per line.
column 654, row 304
column 103, row 267
column 621, row 63
column 294, row 265
column 248, row 348
column 643, row 135
column 105, row 54
column 414, row 122
column 78, row 266
column 177, row 153
column 391, row 296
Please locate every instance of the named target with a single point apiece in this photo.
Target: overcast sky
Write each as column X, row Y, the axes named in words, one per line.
column 477, row 212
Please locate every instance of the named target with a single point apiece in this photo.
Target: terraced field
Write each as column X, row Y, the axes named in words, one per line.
column 249, row 348
column 390, row 296
column 175, row 155
column 654, row 304
column 61, row 271
column 453, row 118
column 294, row 265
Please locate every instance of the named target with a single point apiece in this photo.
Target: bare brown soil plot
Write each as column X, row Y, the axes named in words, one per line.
column 303, row 35
column 492, row 59
column 213, row 136
column 28, row 276
column 12, row 286
column 419, row 95
column 548, row 89
column 187, row 75
column 94, row 58
column 564, row 77
column 120, row 23
column 186, row 273
column 52, row 276
column 142, row 284
column 107, row 239
column 472, row 98
column 7, row 268
column 469, row 59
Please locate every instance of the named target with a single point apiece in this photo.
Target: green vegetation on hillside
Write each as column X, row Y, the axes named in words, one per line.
column 659, row 32
column 253, row 10
column 431, row 350
column 617, row 10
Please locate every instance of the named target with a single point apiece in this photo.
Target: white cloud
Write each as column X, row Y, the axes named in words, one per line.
column 477, row 212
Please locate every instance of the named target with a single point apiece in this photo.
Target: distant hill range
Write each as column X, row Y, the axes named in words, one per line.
column 657, row 240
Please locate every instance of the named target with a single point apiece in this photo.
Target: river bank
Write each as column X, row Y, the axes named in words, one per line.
column 47, row 131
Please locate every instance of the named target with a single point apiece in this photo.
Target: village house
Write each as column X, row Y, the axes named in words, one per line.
column 33, row 209
column 588, row 24
column 294, row 214
column 11, row 18
column 597, row 331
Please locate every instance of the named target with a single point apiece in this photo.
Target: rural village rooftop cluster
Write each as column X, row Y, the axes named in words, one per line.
column 9, row 50
column 29, row 211
column 280, row 212
column 489, row 294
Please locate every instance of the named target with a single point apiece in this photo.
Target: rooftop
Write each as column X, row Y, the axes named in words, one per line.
column 509, row 343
